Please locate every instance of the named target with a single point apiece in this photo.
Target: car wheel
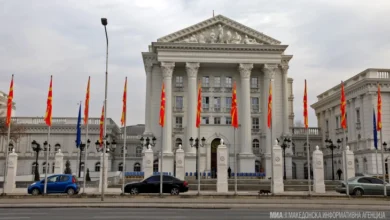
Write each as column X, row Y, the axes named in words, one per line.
column 134, row 191
column 175, row 191
column 358, row 192
column 35, row 192
column 70, row 191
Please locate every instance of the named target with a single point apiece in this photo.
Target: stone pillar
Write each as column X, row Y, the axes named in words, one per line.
column 350, row 158
column 285, row 108
column 269, row 70
column 167, row 71
column 246, row 159
column 148, row 108
column 59, row 163
column 289, row 154
column 278, row 186
column 11, row 172
column 192, row 72
column 105, row 170
column 222, row 167
column 180, row 170
column 318, row 171
column 147, row 161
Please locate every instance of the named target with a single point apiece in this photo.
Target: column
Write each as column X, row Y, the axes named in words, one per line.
column 167, row 71
column 286, row 128
column 148, row 70
column 269, row 71
column 147, row 162
column 11, row 172
column 318, row 171
column 246, row 159
column 222, row 164
column 192, row 72
column 105, row 170
column 278, row 185
column 180, row 170
column 59, row 163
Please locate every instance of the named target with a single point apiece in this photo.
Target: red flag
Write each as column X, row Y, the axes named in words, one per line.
column 379, row 110
column 9, row 102
column 86, row 110
column 234, row 111
column 101, row 127
column 49, row 107
column 343, row 107
column 123, row 119
column 199, row 107
column 269, row 105
column 305, row 113
column 162, row 106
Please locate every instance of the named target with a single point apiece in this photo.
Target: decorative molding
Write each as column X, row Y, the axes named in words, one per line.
column 149, row 60
column 269, row 70
column 245, row 69
column 167, row 69
column 219, row 29
column 192, row 69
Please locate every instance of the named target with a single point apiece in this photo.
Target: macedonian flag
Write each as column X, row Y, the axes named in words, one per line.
column 49, row 107
column 101, row 127
column 343, row 107
column 199, row 107
column 86, row 109
column 124, row 100
column 162, row 106
column 379, row 110
column 9, row 102
column 269, row 118
column 305, row 113
column 234, row 111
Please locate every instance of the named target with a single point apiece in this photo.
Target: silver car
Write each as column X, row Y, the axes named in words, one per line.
column 363, row 185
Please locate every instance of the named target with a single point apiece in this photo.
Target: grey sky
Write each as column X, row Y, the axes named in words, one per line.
column 330, row 41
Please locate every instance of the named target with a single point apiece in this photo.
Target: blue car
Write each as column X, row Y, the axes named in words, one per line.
column 62, row 183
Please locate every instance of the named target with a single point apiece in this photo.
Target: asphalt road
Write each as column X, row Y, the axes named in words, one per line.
column 188, row 214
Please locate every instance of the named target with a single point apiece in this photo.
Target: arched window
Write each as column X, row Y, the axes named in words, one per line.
column 53, row 167
column 82, row 167
column 138, row 151
column 57, row 147
column 137, row 167
column 256, row 146
column 44, row 167
column 365, row 165
column 257, row 166
column 178, row 142
column 33, row 167
column 155, row 166
column 97, row 167
column 120, row 167
column 294, row 170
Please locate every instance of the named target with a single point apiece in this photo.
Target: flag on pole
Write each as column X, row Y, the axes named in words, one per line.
column 379, row 123
column 162, row 106
column 123, row 119
column 101, row 127
column 199, row 107
column 374, row 129
column 78, row 134
column 305, row 113
column 269, row 105
column 49, row 107
column 234, row 111
column 86, row 109
column 343, row 107
column 9, row 102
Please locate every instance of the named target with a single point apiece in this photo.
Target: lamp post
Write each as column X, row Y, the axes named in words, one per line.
column 329, row 144
column 82, row 148
column 110, row 146
column 385, row 146
column 36, row 147
column 197, row 145
column 284, row 145
column 104, row 23
column 145, row 142
column 106, row 149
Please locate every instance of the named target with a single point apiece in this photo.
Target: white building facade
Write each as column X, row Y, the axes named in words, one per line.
column 361, row 97
column 218, row 52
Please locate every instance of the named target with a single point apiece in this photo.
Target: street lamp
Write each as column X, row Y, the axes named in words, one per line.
column 329, row 144
column 36, row 147
column 285, row 145
column 109, row 146
column 385, row 146
column 197, row 145
column 10, row 147
column 148, row 141
column 82, row 148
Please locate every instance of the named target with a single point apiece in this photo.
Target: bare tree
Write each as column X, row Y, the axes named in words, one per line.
column 298, row 123
column 16, row 130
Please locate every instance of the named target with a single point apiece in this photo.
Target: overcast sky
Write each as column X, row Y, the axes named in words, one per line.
column 330, row 41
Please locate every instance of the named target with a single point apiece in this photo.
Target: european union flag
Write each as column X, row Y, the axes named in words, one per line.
column 375, row 131
column 78, row 138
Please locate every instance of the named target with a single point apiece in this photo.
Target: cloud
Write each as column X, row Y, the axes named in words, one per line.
column 331, row 40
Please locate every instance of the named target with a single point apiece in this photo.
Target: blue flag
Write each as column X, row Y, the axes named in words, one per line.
column 78, row 138
column 375, row 131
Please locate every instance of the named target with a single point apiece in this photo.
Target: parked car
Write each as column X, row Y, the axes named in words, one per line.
column 363, row 185
column 151, row 184
column 62, row 183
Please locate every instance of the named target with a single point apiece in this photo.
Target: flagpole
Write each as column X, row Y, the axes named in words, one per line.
column 272, row 161
column 376, row 157
column 47, row 159
column 383, row 167
column 308, row 160
column 86, row 155
column 124, row 159
column 235, row 162
column 161, row 164
column 6, row 158
column 197, row 160
column 345, row 165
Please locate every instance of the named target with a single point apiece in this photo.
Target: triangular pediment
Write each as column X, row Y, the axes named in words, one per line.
column 219, row 30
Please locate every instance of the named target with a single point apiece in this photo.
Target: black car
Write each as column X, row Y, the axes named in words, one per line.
column 171, row 185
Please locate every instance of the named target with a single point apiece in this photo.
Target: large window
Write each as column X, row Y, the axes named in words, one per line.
column 217, row 120
column 120, row 167
column 254, row 83
column 228, row 103
column 228, row 82
column 179, row 122
column 337, row 122
column 255, row 123
column 358, row 115
column 138, row 151
column 217, row 104
column 255, row 104
column 155, row 166
column 44, row 167
column 179, row 81
column 179, row 102
column 205, row 81
column 205, row 102
column 137, row 167
column 256, row 146
column 217, row 81
column 205, row 120
column 97, row 167
column 228, row 120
